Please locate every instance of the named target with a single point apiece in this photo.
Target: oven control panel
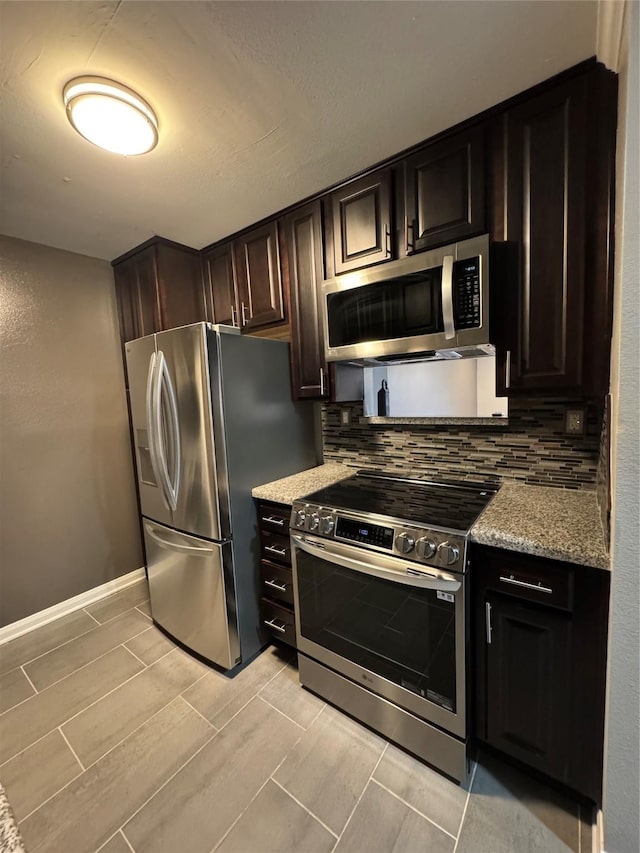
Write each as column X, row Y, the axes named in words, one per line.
column 429, row 546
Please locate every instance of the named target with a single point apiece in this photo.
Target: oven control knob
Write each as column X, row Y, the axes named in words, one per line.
column 425, row 547
column 405, row 543
column 327, row 523
column 314, row 521
column 300, row 518
column 451, row 553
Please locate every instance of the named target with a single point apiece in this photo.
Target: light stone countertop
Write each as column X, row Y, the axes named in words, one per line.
column 562, row 524
column 289, row 489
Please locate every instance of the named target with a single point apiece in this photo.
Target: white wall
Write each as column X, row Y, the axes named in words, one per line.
column 622, row 768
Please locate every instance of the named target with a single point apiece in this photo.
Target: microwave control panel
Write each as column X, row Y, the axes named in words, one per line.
column 466, row 293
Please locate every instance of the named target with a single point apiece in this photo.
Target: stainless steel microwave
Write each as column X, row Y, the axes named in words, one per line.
column 427, row 306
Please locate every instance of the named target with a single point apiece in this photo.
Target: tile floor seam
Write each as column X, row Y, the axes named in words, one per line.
column 55, row 648
column 208, row 722
column 73, row 752
column 146, row 615
column 126, row 841
column 68, row 720
column 118, row 615
column 266, row 702
column 219, row 842
column 131, row 652
column 253, row 696
column 464, row 810
column 93, row 660
column 28, row 679
column 84, row 610
column 302, row 805
column 414, row 809
column 348, row 821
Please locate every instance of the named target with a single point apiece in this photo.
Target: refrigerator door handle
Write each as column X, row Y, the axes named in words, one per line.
column 166, row 385
column 157, row 431
column 150, row 406
column 174, row 546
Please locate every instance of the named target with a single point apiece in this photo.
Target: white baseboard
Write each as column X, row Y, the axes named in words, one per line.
column 37, row 620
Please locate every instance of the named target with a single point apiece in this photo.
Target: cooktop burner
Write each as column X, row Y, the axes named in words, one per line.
column 452, row 506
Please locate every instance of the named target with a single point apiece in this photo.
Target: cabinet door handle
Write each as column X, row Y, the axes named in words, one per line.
column 281, row 552
column 274, row 585
column 507, row 370
column 322, row 389
column 407, row 225
column 272, row 520
column 243, row 309
column 234, row 319
column 273, row 624
column 487, row 621
column 386, row 236
column 536, row 586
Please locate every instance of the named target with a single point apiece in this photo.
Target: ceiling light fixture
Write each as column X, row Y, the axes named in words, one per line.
column 110, row 115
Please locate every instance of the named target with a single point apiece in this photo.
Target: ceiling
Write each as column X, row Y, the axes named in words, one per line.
column 259, row 104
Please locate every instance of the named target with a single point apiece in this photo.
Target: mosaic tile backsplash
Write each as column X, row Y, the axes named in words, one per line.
column 530, row 448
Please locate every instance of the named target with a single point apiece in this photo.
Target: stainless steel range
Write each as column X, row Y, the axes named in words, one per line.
column 379, row 584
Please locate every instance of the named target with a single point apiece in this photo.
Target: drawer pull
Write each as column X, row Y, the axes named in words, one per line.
column 272, row 520
column 535, row 586
column 281, row 586
column 271, row 623
column 281, row 552
column 487, row 621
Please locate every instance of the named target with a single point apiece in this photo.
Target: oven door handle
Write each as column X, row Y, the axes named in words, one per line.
column 431, row 580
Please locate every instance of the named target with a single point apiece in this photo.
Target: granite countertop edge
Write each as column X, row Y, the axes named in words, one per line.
column 289, row 489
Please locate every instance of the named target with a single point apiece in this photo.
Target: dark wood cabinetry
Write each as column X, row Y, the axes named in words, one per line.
column 258, row 277
column 359, row 218
column 158, row 286
column 445, row 191
column 540, row 663
column 558, row 155
column 221, row 299
column 276, row 576
column 303, row 239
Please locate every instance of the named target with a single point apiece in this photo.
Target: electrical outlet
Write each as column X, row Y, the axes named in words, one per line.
column 574, row 421
column 345, row 417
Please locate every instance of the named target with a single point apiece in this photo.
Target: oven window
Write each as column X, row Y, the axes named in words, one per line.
column 405, row 634
column 402, row 307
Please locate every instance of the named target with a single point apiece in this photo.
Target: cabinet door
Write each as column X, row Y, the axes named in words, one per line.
column 445, row 191
column 179, row 282
column 361, row 214
column 136, row 287
column 546, row 140
column 304, row 250
column 528, row 672
column 219, row 281
column 259, row 283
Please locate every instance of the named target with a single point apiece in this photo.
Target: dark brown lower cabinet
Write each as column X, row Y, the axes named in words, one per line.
column 276, row 576
column 539, row 663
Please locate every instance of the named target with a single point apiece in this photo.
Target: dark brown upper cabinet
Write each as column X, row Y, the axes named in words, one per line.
column 258, row 278
column 445, row 191
column 158, row 286
column 359, row 219
column 221, row 298
column 303, row 238
column 559, row 161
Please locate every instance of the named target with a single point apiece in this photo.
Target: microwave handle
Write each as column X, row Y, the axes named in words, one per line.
column 447, row 297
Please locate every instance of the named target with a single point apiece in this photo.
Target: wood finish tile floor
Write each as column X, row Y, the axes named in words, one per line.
column 113, row 739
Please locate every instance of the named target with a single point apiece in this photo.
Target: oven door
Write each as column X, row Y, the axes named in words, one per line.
column 396, row 629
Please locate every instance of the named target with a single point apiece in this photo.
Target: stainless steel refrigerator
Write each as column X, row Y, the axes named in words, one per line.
column 212, row 417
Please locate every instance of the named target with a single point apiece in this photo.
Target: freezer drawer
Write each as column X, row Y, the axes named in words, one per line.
column 191, row 586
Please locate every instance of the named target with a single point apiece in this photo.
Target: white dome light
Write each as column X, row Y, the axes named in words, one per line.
column 110, row 115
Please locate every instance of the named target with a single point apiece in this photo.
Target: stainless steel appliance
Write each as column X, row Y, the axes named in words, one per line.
column 380, row 586
column 430, row 305
column 212, row 417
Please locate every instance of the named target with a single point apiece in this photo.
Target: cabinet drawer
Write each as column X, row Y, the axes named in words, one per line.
column 274, row 517
column 279, row 621
column 276, row 547
column 277, row 581
column 532, row 579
